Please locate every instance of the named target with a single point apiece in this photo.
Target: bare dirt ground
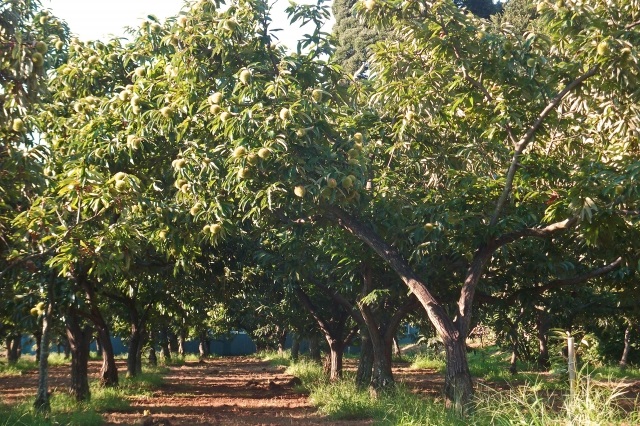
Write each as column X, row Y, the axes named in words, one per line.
column 221, row 391
column 228, row 391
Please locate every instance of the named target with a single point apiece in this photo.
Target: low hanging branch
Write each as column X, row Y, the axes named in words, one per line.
column 552, row 285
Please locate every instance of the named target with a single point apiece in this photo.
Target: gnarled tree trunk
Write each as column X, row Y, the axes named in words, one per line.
column 627, row 348
column 13, row 343
column 133, row 350
column 365, row 363
column 79, row 341
column 314, row 348
column 295, row 347
column 42, row 396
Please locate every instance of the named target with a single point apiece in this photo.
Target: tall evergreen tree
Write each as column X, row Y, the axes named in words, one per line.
column 480, row 8
column 521, row 14
column 352, row 37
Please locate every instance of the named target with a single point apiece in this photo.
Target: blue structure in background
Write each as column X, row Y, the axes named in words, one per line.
column 237, row 343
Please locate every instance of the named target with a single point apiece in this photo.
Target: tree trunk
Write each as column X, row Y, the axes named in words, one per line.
column 513, row 363
column 37, row 335
column 397, row 351
column 41, row 403
column 182, row 336
column 336, row 351
column 98, row 345
column 164, row 344
column 458, row 387
column 314, row 348
column 153, row 359
column 627, row 348
column 79, row 342
column 282, row 340
column 203, row 346
column 542, row 328
column 141, row 343
column 13, row 343
column 365, row 364
column 133, row 350
column 295, row 347
column 67, row 350
column 173, row 343
column 109, row 370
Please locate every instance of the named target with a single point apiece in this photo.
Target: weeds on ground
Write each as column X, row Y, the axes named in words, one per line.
column 593, row 403
column 343, row 400
column 178, row 360
column 427, row 361
column 65, row 410
column 18, row 368
column 309, row 372
column 275, row 358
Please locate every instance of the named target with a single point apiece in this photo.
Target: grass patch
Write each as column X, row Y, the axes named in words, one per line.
column 274, row 358
column 344, row 401
column 178, row 360
column 614, row 371
column 309, row 372
column 66, row 411
column 18, row 368
column 427, row 360
column 593, row 404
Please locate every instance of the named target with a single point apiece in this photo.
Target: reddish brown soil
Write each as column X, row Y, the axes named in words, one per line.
column 229, row 391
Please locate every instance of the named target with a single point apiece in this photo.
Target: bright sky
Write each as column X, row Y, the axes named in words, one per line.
column 98, row 19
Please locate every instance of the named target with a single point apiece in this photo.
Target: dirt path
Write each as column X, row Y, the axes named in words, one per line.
column 222, row 391
column 225, row 391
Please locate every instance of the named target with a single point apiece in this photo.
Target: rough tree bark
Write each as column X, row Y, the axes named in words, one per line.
column 295, row 347
column 135, row 338
column 365, row 363
column 42, row 396
column 627, row 348
column 542, row 331
column 333, row 329
column 108, row 371
column 164, row 344
column 12, row 344
column 314, row 348
column 203, row 346
column 182, row 337
column 79, row 342
column 282, row 340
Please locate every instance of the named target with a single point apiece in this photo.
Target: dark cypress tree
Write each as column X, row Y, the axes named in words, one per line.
column 481, row 8
column 521, row 14
column 352, row 37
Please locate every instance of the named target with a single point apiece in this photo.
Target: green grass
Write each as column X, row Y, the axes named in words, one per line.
column 344, row 401
column 66, row 411
column 25, row 363
column 531, row 398
column 177, row 360
column 428, row 361
column 614, row 371
column 309, row 372
column 274, row 358
column 593, row 404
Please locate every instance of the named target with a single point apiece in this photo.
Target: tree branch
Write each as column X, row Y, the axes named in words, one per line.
column 632, row 25
column 533, row 232
column 528, row 137
column 551, row 285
